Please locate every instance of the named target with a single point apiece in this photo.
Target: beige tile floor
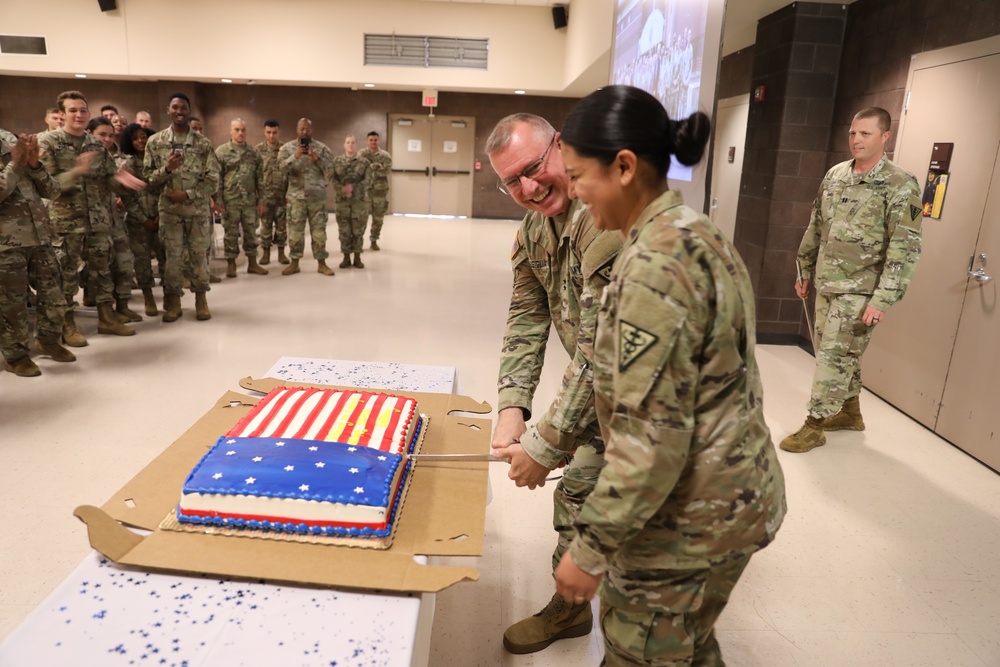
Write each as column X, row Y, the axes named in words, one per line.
column 888, row 555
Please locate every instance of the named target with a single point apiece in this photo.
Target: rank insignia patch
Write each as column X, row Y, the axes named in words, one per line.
column 632, row 343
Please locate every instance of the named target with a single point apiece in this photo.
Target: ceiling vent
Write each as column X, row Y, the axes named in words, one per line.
column 22, row 45
column 426, row 51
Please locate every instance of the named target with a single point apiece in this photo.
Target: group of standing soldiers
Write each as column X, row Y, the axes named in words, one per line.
column 77, row 207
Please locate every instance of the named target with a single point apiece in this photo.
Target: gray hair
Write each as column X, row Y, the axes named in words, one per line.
column 500, row 136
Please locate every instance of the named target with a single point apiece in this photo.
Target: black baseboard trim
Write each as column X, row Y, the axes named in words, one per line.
column 785, row 339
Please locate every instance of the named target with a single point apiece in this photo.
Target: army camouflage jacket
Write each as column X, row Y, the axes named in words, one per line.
column 198, row 175
column 380, row 166
column 140, row 205
column 306, row 177
column 691, row 474
column 864, row 233
column 561, row 265
column 23, row 219
column 241, row 174
column 275, row 180
column 82, row 204
column 347, row 169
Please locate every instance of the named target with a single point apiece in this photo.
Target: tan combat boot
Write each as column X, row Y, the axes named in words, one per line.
column 848, row 419
column 254, row 267
column 375, row 245
column 23, row 367
column 324, row 269
column 126, row 314
column 281, row 255
column 71, row 336
column 150, row 302
column 346, row 264
column 231, row 268
column 357, row 261
column 808, row 437
column 265, row 255
column 171, row 307
column 107, row 322
column 50, row 347
column 212, row 278
column 201, row 310
column 558, row 620
column 291, row 268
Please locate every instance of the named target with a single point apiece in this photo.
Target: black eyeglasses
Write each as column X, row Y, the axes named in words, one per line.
column 513, row 184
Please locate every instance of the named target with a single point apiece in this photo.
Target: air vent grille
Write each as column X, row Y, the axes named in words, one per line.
column 22, row 45
column 426, row 51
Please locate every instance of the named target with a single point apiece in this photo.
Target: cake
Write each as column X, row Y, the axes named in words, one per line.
column 308, row 461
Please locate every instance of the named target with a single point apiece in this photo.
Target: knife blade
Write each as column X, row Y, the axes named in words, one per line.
column 456, row 457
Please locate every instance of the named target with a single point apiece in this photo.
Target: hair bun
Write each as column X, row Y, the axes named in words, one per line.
column 689, row 137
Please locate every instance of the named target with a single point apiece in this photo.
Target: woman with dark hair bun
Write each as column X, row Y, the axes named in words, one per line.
column 691, row 487
column 141, row 215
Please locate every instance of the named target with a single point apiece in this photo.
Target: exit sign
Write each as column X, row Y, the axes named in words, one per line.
column 430, row 98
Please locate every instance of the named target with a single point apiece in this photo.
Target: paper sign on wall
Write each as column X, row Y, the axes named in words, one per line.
column 414, row 145
column 451, row 147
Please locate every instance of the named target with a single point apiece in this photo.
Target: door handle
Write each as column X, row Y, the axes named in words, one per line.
column 980, row 276
column 434, row 171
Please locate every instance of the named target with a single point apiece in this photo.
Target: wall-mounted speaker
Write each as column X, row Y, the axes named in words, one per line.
column 108, row 5
column 560, row 17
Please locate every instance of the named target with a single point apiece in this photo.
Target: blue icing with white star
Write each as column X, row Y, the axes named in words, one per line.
column 291, row 468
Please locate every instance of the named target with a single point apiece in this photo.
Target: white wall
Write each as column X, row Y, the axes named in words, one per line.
column 304, row 41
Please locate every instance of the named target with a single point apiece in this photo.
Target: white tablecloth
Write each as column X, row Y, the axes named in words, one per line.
column 105, row 615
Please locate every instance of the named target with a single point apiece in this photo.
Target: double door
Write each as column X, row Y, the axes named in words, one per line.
column 432, row 163
column 937, row 355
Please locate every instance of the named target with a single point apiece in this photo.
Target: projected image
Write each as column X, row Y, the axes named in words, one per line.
column 659, row 47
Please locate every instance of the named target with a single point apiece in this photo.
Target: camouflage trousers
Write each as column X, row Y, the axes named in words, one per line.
column 378, row 205
column 185, row 239
column 38, row 267
column 237, row 219
column 122, row 261
column 73, row 249
column 665, row 618
column 578, row 479
column 141, row 241
column 841, row 338
column 352, row 218
column 299, row 212
column 273, row 226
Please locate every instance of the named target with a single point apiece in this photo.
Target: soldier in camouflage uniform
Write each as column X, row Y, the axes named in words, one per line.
column 240, row 197
column 350, row 178
column 861, row 248
column 122, row 262
column 309, row 165
column 27, row 257
column 182, row 165
column 692, row 486
column 80, row 215
column 379, row 168
column 561, row 264
column 141, row 214
column 273, row 227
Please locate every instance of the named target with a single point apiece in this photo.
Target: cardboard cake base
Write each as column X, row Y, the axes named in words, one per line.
column 445, row 510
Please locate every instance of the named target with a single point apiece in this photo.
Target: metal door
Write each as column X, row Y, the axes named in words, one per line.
column 432, row 164
column 730, row 134
column 908, row 360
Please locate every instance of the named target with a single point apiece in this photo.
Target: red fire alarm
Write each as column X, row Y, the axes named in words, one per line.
column 758, row 94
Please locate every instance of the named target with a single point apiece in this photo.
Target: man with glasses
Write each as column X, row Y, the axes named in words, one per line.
column 561, row 265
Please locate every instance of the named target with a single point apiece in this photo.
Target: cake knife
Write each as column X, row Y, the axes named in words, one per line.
column 456, row 457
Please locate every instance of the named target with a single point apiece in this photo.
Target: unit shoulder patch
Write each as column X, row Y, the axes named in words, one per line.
column 632, row 343
column 915, row 212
